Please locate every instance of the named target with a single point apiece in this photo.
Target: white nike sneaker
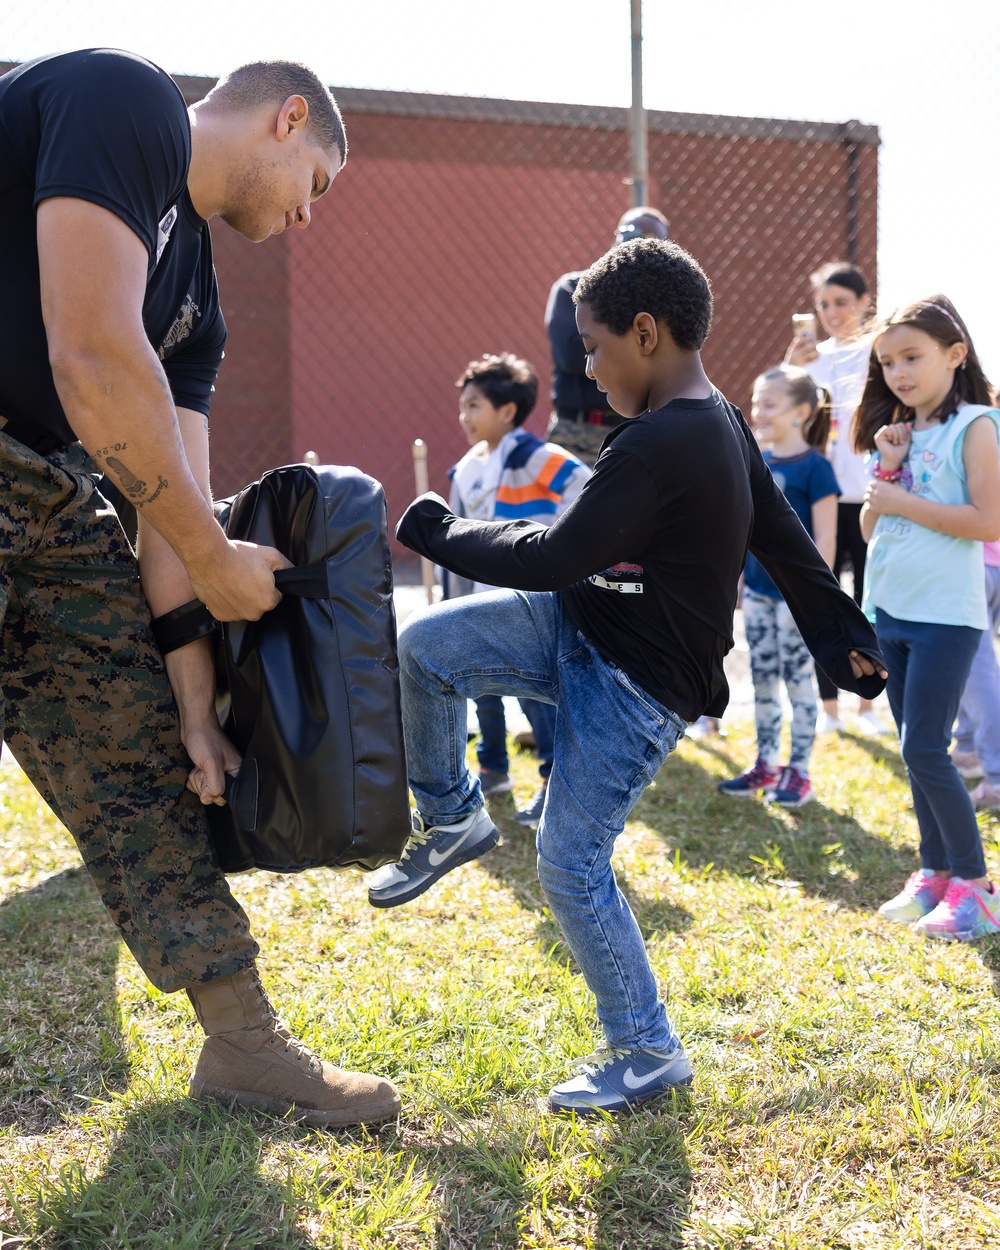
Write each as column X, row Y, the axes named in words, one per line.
column 430, row 852
column 621, row 1080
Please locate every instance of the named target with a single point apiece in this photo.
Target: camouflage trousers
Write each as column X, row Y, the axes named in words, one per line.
column 578, row 438
column 88, row 712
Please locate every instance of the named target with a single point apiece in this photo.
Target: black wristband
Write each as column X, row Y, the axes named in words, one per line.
column 183, row 625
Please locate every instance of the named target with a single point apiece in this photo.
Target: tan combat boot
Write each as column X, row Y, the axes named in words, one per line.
column 251, row 1059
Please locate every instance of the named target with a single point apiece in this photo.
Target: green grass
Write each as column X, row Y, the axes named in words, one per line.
column 847, row 1072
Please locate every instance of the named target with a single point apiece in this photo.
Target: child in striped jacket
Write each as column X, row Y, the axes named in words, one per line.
column 508, row 474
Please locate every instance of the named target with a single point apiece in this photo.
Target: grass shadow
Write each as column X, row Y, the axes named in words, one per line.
column 631, row 1180
column 60, row 1029
column 829, row 853
column 643, row 1196
column 182, row 1176
column 179, row 1177
column 513, row 864
column 884, row 751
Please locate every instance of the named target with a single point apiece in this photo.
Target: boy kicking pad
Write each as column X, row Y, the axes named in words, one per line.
column 621, row 614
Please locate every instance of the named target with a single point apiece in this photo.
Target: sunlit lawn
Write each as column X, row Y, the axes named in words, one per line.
column 847, row 1072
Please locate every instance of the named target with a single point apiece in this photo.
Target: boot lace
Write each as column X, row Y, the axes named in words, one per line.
column 298, row 1051
column 280, row 1034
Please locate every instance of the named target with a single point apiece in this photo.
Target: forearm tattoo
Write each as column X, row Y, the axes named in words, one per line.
column 133, row 486
column 102, row 453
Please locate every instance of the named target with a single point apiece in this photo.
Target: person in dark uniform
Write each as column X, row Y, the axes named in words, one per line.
column 581, row 416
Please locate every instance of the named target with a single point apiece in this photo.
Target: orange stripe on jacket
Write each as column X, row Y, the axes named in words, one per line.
column 550, row 468
column 526, row 494
column 537, row 489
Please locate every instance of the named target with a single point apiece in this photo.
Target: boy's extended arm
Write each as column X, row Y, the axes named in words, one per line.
column 831, row 623
column 596, row 531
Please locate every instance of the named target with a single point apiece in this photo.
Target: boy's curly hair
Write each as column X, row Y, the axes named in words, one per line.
column 652, row 276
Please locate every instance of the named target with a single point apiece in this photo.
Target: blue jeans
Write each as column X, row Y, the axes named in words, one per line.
column 978, row 726
column 491, row 750
column 928, row 667
column 611, row 739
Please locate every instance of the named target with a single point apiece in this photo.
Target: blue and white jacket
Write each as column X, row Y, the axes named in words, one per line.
column 523, row 479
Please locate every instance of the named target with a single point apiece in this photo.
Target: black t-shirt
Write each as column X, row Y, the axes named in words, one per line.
column 111, row 128
column 649, row 554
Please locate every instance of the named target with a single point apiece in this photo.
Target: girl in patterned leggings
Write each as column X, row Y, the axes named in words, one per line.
column 791, row 418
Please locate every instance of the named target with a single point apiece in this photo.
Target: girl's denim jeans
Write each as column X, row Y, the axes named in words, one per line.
column 928, row 667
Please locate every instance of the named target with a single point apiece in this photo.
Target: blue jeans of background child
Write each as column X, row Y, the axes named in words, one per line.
column 779, row 654
column 978, row 726
column 611, row 739
column 928, row 667
column 491, row 750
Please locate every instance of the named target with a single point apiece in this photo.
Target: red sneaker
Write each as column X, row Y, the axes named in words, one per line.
column 793, row 789
column 762, row 778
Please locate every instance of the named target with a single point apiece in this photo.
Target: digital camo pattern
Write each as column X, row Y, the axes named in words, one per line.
column 778, row 654
column 582, row 440
column 91, row 719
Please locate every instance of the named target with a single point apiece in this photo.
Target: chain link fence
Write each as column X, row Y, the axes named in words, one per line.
column 441, row 239
column 444, row 233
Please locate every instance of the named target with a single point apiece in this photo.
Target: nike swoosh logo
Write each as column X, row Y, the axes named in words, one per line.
column 637, row 1082
column 434, row 858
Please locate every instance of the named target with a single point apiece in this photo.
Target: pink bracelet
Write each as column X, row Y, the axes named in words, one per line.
column 886, row 475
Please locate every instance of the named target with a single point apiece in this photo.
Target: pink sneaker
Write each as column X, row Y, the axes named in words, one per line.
column 918, row 898
column 965, row 913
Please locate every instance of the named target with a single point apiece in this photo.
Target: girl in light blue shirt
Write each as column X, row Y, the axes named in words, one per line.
column 934, row 497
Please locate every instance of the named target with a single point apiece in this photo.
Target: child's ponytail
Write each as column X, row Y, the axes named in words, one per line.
column 817, row 430
column 801, row 389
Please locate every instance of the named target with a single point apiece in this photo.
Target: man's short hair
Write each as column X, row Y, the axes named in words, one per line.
column 652, row 276
column 504, row 379
column 269, row 82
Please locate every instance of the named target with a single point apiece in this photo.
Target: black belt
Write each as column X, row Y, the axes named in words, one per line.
column 36, row 440
column 588, row 416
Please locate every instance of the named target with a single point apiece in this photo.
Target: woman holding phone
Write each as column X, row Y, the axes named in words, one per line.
column 840, row 364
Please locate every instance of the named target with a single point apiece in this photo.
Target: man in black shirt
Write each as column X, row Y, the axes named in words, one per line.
column 581, row 416
column 110, row 339
column 621, row 615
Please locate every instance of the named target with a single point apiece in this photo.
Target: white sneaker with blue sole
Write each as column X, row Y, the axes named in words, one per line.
column 430, row 852
column 621, row 1080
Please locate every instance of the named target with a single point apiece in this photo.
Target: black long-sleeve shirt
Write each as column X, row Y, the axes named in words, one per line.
column 648, row 557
